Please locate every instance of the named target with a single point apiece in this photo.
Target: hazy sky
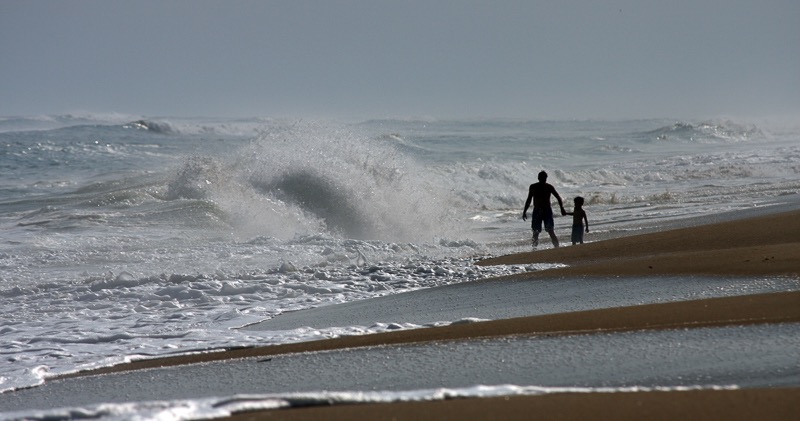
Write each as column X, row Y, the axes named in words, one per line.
column 409, row 58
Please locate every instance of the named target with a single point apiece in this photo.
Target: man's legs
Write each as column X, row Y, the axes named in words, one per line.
column 553, row 237
column 536, row 225
column 549, row 226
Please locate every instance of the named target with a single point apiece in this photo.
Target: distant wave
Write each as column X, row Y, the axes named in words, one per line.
column 51, row 122
column 153, row 126
column 709, row 131
column 390, row 121
column 161, row 125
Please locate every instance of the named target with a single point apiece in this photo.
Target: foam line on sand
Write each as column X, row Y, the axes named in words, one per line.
column 738, row 310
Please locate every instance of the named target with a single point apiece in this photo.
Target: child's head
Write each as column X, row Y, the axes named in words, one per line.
column 578, row 201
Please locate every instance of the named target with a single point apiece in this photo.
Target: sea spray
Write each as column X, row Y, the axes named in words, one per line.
column 312, row 178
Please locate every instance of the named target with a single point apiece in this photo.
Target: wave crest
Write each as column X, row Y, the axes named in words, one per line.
column 709, row 131
column 194, row 180
column 302, row 180
column 160, row 127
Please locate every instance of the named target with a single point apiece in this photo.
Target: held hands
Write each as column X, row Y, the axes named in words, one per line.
column 563, row 212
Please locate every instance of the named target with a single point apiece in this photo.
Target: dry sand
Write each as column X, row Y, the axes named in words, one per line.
column 766, row 245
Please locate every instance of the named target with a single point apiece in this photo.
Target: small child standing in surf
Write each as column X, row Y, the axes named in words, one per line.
column 578, row 218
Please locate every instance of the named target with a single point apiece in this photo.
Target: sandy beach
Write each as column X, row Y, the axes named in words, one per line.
column 755, row 404
column 755, row 247
column 766, row 245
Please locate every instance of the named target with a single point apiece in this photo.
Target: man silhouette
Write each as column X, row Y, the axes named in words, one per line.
column 542, row 211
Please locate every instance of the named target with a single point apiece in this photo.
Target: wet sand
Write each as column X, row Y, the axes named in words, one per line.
column 762, row 246
column 725, row 311
column 707, row 405
column 767, row 245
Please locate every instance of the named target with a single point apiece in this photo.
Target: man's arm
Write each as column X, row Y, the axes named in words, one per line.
column 527, row 203
column 560, row 203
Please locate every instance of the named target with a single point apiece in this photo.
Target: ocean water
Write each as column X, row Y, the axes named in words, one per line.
column 123, row 237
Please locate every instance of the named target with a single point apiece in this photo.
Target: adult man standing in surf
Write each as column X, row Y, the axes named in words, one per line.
column 542, row 211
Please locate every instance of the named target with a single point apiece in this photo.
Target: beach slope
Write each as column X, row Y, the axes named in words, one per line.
column 754, row 248
column 761, row 246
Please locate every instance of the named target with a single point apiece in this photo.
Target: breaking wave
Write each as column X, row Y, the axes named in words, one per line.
column 301, row 179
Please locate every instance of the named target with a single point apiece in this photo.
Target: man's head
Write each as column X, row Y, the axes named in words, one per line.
column 542, row 176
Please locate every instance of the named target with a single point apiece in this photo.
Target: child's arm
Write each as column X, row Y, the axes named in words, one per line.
column 585, row 219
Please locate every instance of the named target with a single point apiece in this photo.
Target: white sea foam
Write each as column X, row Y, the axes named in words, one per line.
column 210, row 408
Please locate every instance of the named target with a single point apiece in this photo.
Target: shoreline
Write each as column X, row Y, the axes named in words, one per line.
column 765, row 245
column 758, row 246
column 711, row 312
